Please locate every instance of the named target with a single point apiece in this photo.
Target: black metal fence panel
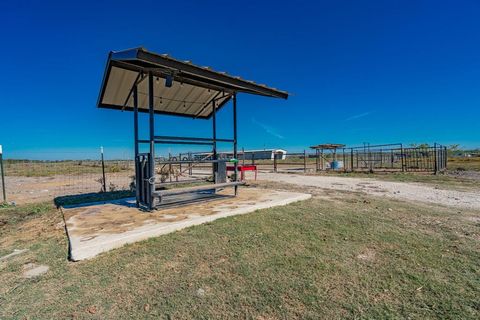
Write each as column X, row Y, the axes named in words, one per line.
column 374, row 158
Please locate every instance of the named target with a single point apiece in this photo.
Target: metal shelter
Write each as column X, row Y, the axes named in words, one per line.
column 141, row 81
column 319, row 153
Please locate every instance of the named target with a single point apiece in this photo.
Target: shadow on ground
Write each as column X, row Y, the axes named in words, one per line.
column 91, row 197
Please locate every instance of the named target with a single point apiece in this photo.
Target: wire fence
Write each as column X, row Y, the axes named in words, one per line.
column 369, row 158
column 27, row 180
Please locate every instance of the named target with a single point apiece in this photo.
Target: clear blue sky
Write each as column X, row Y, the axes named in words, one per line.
column 358, row 71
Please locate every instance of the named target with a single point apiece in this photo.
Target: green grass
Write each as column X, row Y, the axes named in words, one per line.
column 298, row 261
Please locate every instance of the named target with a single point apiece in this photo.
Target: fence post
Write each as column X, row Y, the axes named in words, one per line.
column 180, row 160
column 190, row 167
column 445, row 155
column 381, row 158
column 321, row 160
column 103, row 171
column 170, row 167
column 351, row 159
column 274, row 162
column 392, row 158
column 304, row 161
column 3, row 175
column 435, row 165
column 402, row 156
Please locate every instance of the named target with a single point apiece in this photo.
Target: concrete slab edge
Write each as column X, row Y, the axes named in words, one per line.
column 155, row 231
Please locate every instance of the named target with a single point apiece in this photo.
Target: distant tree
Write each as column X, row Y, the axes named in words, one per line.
column 421, row 145
column 453, row 149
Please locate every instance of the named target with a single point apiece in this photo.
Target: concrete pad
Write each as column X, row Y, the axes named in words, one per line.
column 100, row 227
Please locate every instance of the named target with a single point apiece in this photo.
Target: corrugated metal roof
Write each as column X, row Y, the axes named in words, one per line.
column 191, row 93
column 328, row 146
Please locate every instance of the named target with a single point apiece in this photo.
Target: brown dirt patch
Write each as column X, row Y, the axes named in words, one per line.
column 367, row 255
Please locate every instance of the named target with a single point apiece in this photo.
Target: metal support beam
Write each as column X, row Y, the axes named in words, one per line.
column 135, row 119
column 138, row 80
column 152, row 139
column 191, row 139
column 179, row 142
column 214, row 145
column 235, row 140
column 138, row 182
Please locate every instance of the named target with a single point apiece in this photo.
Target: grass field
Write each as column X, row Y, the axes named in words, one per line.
column 464, row 164
column 348, row 256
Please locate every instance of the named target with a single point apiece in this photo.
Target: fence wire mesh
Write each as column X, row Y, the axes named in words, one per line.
column 33, row 180
column 29, row 180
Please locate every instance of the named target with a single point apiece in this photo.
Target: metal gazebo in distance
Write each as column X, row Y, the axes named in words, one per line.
column 319, row 153
column 141, row 81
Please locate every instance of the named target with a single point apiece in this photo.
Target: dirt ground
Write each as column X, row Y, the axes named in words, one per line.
column 21, row 189
column 467, row 174
column 412, row 192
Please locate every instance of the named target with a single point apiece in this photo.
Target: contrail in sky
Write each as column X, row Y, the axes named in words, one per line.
column 268, row 129
column 358, row 116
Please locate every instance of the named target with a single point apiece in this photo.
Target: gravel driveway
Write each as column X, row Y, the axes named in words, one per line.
column 396, row 190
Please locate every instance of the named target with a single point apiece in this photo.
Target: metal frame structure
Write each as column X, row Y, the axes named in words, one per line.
column 395, row 158
column 319, row 151
column 189, row 91
column 367, row 158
